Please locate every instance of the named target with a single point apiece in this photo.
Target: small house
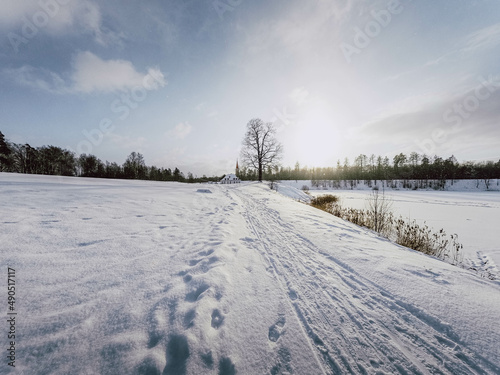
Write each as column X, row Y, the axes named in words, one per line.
column 230, row 179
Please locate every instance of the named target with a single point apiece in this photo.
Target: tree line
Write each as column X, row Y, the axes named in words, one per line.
column 261, row 153
column 52, row 160
column 401, row 167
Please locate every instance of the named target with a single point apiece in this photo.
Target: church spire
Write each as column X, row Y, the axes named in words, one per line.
column 237, row 168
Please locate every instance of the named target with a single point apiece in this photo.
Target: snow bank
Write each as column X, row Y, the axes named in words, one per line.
column 292, row 192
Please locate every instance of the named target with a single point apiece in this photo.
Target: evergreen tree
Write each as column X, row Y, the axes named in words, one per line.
column 5, row 155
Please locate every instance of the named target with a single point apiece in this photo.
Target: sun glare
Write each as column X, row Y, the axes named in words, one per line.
column 315, row 139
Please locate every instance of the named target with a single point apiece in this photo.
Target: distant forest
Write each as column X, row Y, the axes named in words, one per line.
column 52, row 160
column 401, row 167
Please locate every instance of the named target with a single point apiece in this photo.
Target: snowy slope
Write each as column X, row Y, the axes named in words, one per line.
column 294, row 193
column 125, row 277
column 473, row 216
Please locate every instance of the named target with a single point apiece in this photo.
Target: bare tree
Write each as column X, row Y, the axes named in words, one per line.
column 135, row 167
column 379, row 212
column 260, row 147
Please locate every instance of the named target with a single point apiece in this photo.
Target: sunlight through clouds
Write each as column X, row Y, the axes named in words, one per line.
column 280, row 61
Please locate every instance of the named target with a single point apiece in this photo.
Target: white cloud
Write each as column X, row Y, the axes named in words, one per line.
column 487, row 37
column 90, row 74
column 481, row 39
column 37, row 79
column 28, row 18
column 304, row 27
column 437, row 61
column 415, row 119
column 180, row 131
column 13, row 11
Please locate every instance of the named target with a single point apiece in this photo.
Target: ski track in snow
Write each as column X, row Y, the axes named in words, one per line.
column 358, row 328
column 193, row 283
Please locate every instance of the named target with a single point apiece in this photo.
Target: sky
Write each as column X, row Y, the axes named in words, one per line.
column 178, row 81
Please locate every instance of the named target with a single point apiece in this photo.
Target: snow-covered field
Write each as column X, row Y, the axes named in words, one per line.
column 136, row 277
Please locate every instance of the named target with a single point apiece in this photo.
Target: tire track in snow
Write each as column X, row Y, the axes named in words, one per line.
column 356, row 326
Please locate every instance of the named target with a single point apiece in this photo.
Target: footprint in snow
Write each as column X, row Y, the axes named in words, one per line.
column 276, row 330
column 217, row 319
column 213, row 259
column 189, row 318
column 226, row 367
column 162, row 312
column 207, row 360
column 209, row 264
column 283, row 365
column 194, row 262
column 148, row 367
column 84, row 244
column 195, row 294
column 177, row 355
column 205, row 253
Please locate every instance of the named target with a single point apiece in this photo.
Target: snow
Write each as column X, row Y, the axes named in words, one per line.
column 472, row 213
column 122, row 277
column 474, row 216
column 292, row 192
column 208, row 191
